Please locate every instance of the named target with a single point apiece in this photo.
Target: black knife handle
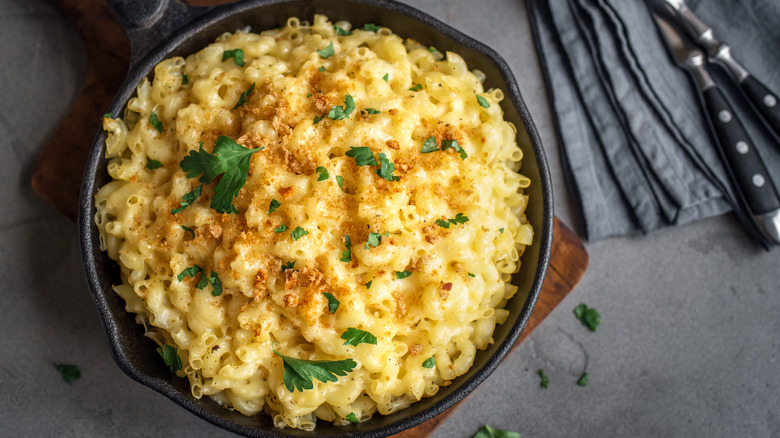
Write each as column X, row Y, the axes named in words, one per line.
column 764, row 100
column 747, row 167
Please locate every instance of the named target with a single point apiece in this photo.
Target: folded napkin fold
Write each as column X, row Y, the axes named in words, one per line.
column 634, row 141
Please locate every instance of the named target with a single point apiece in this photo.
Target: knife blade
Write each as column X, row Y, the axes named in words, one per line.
column 746, row 168
column 760, row 96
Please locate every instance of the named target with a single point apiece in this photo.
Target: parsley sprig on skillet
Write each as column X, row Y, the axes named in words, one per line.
column 300, row 373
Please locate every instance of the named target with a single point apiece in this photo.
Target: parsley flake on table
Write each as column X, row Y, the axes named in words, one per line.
column 545, row 380
column 370, row 111
column 191, row 272
column 185, row 79
column 589, row 317
column 299, row 232
column 429, row 145
column 340, row 181
column 402, row 274
column 274, row 205
column 483, row 102
column 341, row 31
column 346, row 256
column 153, row 164
column 300, row 374
column 229, row 159
column 362, row 155
column 417, row 87
column 171, row 357
column 371, row 27
column 491, row 432
column 454, row 145
column 583, row 380
column 374, row 239
column 236, row 54
column 339, row 112
column 429, row 363
column 155, row 122
column 386, row 168
column 242, row 98
column 368, row 285
column 216, row 285
column 189, row 230
column 354, row 336
column 333, row 303
column 386, row 77
column 352, row 418
column 188, row 199
column 70, row 373
column 327, row 52
column 323, row 173
column 280, row 229
column 288, row 265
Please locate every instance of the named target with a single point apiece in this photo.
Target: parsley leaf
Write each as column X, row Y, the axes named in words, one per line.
column 589, row 317
column 340, row 180
column 70, row 373
column 417, row 87
column 501, row 230
column 192, row 271
column 216, row 285
column 352, row 418
column 300, row 374
column 402, row 274
column 362, row 155
column 317, row 119
column 155, row 122
column 454, row 145
column 370, row 27
column 370, row 111
column 432, row 49
column 346, row 256
column 368, row 285
column 281, row 229
column 341, row 31
column 288, row 265
column 242, row 98
column 188, row 199
column 189, row 230
column 185, row 79
column 308, row 95
column 429, row 363
column 374, row 239
column 459, row 219
column 327, row 52
column 386, row 168
column 153, row 164
column 491, row 432
column 583, row 380
column 333, row 303
column 339, row 112
column 323, row 173
column 442, row 223
column 483, row 102
column 355, row 337
column 171, row 357
column 299, row 232
column 229, row 159
column 386, row 77
column 322, row 68
column 471, row 275
column 545, row 380
column 274, row 205
column 429, row 145
column 236, row 54
column 108, row 115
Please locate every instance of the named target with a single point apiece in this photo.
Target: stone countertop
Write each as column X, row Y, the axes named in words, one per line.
column 688, row 343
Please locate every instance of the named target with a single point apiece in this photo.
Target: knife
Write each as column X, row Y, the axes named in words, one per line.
column 758, row 94
column 746, row 168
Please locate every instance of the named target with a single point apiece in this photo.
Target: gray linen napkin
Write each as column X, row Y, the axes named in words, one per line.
column 634, row 142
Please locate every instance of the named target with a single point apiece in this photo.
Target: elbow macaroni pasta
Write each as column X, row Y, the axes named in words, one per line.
column 446, row 309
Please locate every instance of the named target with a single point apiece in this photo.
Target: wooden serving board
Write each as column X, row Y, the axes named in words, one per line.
column 57, row 176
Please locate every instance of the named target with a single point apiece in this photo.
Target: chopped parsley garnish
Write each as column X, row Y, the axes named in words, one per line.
column 370, row 111
column 299, row 232
column 458, row 219
column 108, row 115
column 442, row 223
column 371, row 27
column 317, row 119
column 153, row 164
column 454, row 145
column 432, row 49
column 70, row 373
column 386, row 77
column 429, row 363
column 583, row 380
column 171, row 357
column 402, row 274
column 216, row 285
column 429, row 145
column 362, row 155
column 155, row 122
column 188, row 199
column 189, row 230
column 589, row 317
column 417, row 87
column 346, row 256
column 288, row 265
column 545, row 380
column 185, row 79
column 368, row 285
column 274, row 205
column 483, row 102
column 491, row 432
column 229, row 159
column 386, row 168
column 339, row 112
column 327, row 52
column 236, row 54
column 308, row 95
column 281, row 229
column 242, row 98
column 471, row 275
column 341, row 32
column 501, row 230
column 322, row 68
column 355, row 337
column 333, row 303
column 191, row 272
column 323, row 173
column 352, row 418
column 340, row 181
column 374, row 239
column 300, row 374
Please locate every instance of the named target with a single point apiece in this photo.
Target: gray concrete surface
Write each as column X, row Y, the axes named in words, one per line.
column 688, row 344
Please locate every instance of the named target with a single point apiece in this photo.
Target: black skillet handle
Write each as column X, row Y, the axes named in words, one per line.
column 764, row 100
column 746, row 165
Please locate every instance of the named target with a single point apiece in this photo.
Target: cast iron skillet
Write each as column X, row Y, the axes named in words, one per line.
column 178, row 30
